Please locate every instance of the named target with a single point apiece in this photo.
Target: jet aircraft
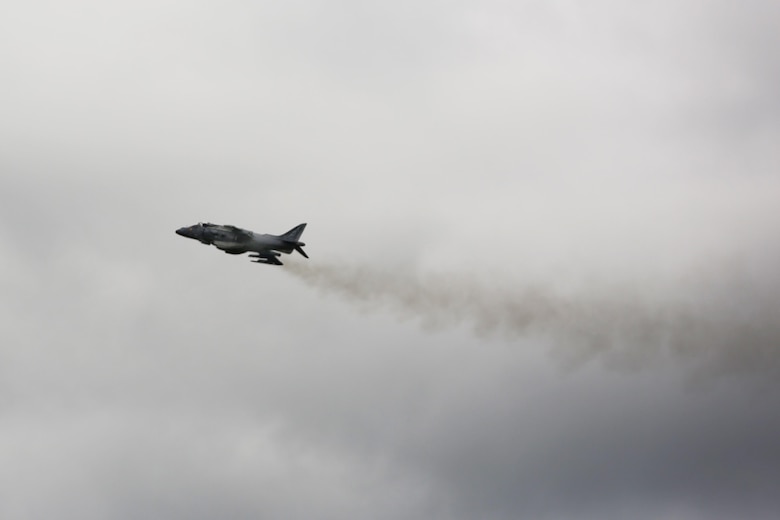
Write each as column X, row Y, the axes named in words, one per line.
column 233, row 240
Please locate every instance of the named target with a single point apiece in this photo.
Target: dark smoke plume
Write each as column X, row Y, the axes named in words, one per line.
column 733, row 330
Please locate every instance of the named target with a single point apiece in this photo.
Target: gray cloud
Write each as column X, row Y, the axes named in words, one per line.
column 593, row 182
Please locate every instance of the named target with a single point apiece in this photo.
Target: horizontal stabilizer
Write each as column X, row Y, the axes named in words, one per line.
column 300, row 249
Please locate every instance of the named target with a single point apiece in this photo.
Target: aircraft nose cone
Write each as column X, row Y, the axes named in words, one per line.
column 182, row 232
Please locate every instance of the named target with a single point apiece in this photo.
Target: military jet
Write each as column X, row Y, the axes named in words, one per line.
column 233, row 240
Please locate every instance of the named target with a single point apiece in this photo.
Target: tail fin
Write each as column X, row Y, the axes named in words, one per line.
column 294, row 234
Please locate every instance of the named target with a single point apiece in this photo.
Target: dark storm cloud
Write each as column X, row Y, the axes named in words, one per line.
column 605, row 460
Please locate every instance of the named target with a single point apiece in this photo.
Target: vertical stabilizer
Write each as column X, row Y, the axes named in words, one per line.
column 294, row 234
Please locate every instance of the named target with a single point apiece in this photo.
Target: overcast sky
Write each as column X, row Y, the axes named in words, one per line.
column 543, row 280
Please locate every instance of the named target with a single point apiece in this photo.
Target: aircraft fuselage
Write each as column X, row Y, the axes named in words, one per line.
column 235, row 241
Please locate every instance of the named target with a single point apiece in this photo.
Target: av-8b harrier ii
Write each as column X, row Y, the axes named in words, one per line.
column 233, row 240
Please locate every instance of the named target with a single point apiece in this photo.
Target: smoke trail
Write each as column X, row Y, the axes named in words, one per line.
column 733, row 332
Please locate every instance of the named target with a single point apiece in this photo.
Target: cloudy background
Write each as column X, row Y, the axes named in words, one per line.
column 543, row 280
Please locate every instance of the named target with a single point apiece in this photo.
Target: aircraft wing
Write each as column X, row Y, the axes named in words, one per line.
column 268, row 257
column 242, row 235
